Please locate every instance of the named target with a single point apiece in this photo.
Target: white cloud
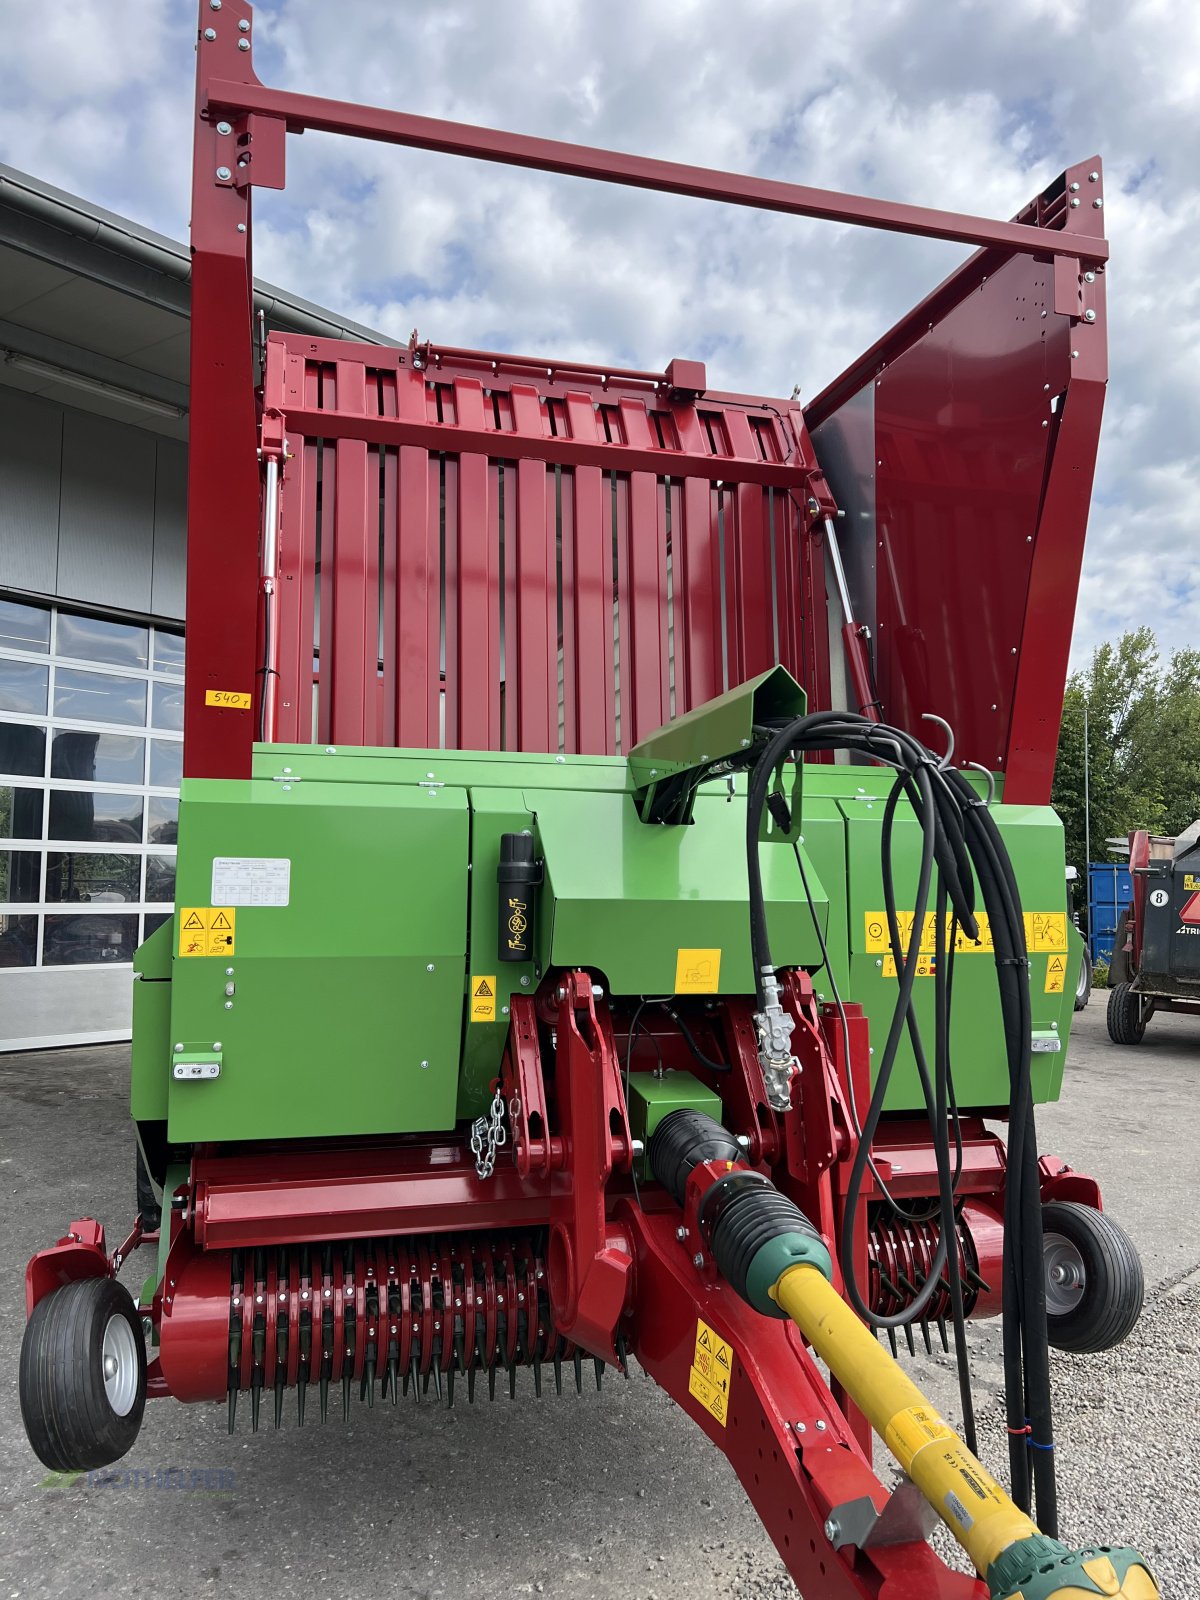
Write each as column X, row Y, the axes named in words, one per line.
column 974, row 106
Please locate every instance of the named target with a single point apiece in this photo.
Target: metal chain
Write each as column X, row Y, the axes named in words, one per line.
column 487, row 1135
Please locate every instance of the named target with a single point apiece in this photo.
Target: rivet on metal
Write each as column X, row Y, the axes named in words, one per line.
column 820, row 1426
column 424, row 1066
column 1097, row 205
column 224, row 127
column 243, row 44
column 244, row 26
column 1074, row 188
column 1089, row 315
column 241, row 227
column 223, row 173
column 1089, row 277
column 1093, row 177
column 210, row 34
column 1075, row 201
column 525, row 982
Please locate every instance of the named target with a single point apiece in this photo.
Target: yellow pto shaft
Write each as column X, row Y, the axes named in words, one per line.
column 1017, row 1561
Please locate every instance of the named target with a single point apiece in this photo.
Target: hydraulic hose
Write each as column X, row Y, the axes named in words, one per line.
column 961, row 845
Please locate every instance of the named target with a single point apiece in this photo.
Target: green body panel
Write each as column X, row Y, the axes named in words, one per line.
column 347, row 1011
column 343, row 995
column 625, row 898
column 493, row 812
column 151, row 1026
column 853, row 878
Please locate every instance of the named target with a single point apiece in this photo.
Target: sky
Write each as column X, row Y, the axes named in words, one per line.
column 973, row 105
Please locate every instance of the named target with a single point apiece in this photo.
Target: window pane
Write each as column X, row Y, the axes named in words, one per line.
column 24, row 627
column 89, row 940
column 83, row 878
column 160, row 879
column 168, row 652
column 18, row 941
column 166, row 763
column 20, row 875
column 22, row 750
column 94, row 639
column 94, row 816
column 154, row 921
column 20, row 813
column 98, row 757
column 99, row 697
column 23, row 686
column 163, row 820
column 168, row 706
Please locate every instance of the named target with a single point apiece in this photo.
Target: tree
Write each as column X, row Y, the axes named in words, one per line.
column 1143, row 721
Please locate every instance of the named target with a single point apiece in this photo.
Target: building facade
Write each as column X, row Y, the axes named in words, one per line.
column 93, row 481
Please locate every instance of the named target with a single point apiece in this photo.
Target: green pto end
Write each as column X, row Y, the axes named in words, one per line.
column 1043, row 1569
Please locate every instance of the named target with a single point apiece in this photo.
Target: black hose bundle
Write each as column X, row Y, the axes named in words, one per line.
column 961, row 850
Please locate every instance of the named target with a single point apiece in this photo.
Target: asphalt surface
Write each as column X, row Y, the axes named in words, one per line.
column 612, row 1494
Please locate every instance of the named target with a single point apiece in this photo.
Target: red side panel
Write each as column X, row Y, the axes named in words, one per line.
column 503, row 563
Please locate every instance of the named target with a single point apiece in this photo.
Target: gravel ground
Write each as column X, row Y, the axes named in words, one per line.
column 612, row 1495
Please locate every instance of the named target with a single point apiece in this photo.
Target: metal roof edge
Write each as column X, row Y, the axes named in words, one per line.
column 94, row 226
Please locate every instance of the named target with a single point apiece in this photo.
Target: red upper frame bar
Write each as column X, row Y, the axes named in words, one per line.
column 240, row 137
column 301, row 111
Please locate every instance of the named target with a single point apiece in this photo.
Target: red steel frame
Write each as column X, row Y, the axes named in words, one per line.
column 1008, row 719
column 610, row 471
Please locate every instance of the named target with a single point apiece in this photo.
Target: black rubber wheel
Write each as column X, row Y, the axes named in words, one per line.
column 1125, row 1017
column 1083, row 989
column 1094, row 1283
column 83, row 1375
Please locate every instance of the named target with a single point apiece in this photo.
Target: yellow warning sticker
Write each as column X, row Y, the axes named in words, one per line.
column 228, row 698
column 878, row 940
column 1191, row 880
column 697, row 971
column 911, row 1430
column 712, row 1372
column 207, row 930
column 1045, row 932
column 926, row 966
column 1056, row 974
column 483, row 998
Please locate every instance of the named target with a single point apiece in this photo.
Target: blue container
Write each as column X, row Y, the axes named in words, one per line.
column 1110, row 890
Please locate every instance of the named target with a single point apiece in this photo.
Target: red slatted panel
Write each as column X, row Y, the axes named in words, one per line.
column 590, row 686
column 709, row 584
column 560, row 528
column 444, row 480
column 355, row 594
column 647, row 579
column 785, row 539
column 537, row 590
column 752, row 564
column 477, row 659
column 698, row 640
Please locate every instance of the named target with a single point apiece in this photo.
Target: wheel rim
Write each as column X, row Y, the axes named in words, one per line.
column 119, row 1363
column 1066, row 1275
column 1082, row 986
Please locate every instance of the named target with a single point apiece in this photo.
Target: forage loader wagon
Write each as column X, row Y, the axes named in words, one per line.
column 617, row 895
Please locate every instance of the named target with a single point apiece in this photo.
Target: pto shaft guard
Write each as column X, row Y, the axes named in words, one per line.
column 767, row 1251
